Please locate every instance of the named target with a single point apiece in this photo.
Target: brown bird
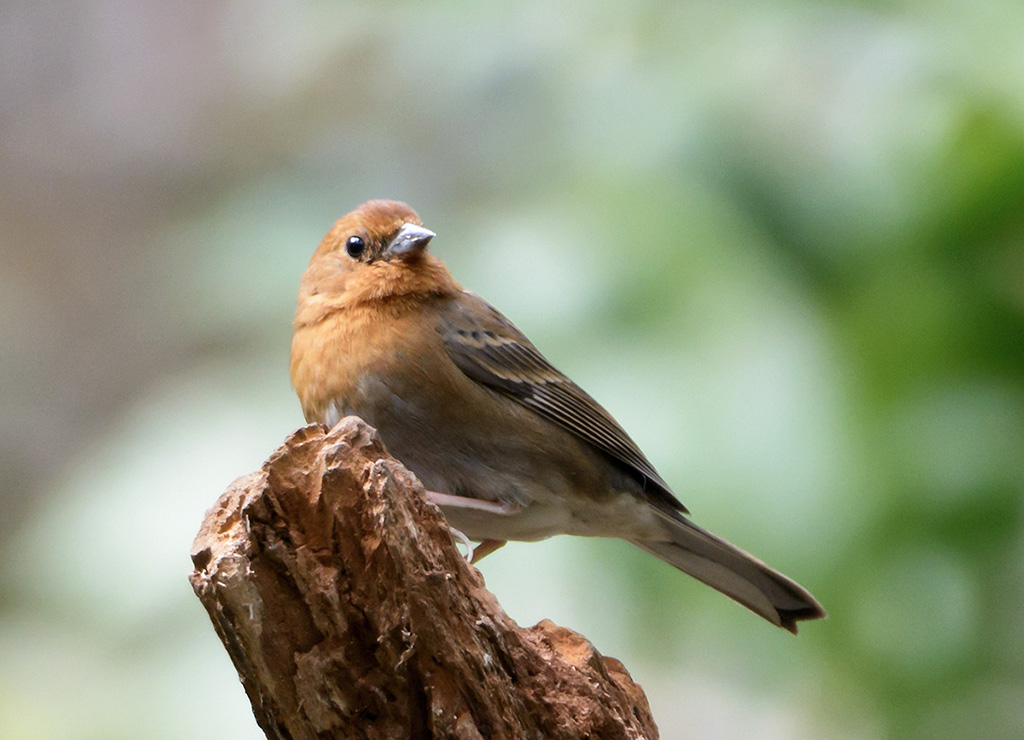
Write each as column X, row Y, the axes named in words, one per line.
column 507, row 446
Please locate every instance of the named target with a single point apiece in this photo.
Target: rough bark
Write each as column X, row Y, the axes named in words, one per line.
column 349, row 613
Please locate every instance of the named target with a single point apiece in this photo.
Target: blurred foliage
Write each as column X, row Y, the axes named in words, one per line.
column 781, row 242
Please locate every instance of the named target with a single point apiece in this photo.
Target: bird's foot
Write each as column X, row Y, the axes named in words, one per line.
column 476, row 553
column 461, row 537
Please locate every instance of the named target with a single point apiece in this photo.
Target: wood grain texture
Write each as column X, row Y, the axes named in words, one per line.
column 349, row 613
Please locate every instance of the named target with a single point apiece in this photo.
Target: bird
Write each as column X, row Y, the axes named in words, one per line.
column 504, row 443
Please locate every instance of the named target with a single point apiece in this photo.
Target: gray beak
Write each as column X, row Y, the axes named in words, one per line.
column 410, row 240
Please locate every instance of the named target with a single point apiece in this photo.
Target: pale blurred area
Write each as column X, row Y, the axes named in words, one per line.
column 782, row 242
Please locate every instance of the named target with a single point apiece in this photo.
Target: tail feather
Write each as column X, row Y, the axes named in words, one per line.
column 735, row 573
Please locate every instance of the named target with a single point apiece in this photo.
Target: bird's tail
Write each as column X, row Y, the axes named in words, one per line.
column 735, row 573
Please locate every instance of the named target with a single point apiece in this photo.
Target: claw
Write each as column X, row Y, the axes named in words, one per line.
column 470, row 549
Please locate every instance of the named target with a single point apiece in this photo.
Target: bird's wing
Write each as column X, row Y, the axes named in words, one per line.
column 490, row 350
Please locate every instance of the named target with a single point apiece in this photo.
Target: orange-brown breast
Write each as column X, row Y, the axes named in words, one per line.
column 330, row 357
column 370, row 321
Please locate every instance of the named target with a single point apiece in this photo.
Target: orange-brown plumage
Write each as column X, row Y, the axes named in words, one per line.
column 508, row 446
column 352, row 315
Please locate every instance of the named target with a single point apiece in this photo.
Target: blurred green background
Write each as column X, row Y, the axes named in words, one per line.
column 782, row 242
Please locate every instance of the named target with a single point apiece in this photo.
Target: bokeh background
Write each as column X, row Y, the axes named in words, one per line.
column 782, row 242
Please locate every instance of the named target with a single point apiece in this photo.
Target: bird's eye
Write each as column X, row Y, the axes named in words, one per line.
column 355, row 246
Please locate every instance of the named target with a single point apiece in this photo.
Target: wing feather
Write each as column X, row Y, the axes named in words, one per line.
column 488, row 348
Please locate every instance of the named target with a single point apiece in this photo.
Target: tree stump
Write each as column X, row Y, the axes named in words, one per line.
column 349, row 613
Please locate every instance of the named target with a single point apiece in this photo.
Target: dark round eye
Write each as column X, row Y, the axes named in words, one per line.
column 355, row 246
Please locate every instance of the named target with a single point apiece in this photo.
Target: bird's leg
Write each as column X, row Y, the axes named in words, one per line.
column 462, row 502
column 485, row 548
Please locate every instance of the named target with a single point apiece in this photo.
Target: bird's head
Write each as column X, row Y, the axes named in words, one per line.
column 377, row 230
column 376, row 252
